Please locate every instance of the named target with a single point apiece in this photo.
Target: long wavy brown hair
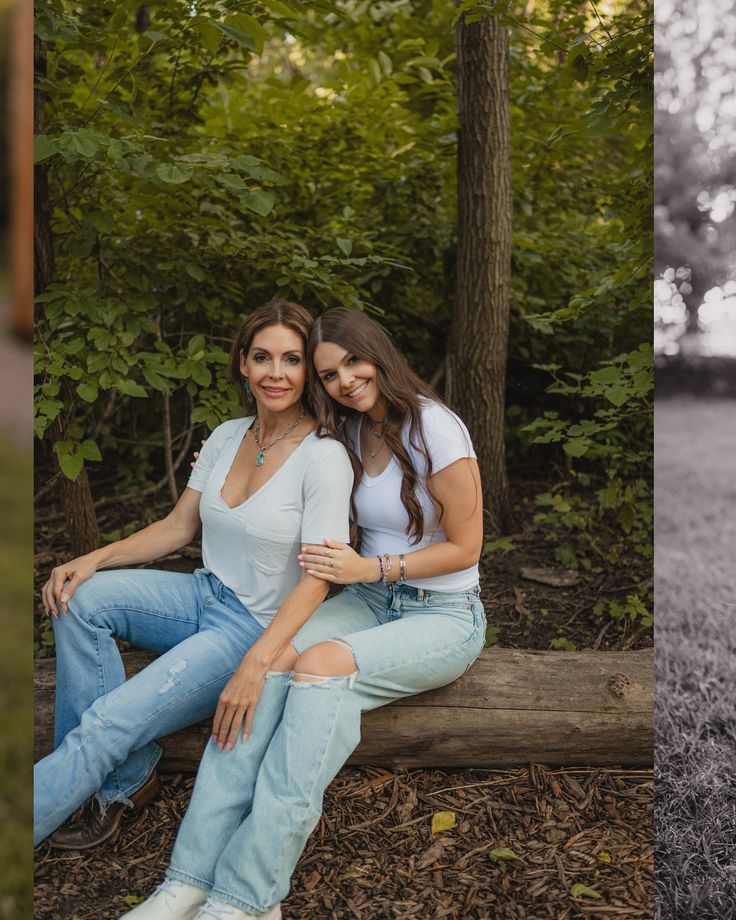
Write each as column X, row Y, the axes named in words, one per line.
column 401, row 388
column 273, row 313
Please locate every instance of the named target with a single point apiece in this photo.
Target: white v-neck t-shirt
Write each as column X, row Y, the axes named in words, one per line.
column 381, row 514
column 253, row 547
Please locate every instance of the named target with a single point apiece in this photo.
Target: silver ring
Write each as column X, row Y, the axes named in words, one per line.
column 328, row 553
column 332, row 565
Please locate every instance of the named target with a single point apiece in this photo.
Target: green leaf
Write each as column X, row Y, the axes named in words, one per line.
column 89, row 450
column 44, row 147
column 82, row 142
column 71, row 465
column 194, row 271
column 132, row 899
column 578, row 890
column 345, row 245
column 492, row 634
column 260, row 201
column 618, row 395
column 607, row 374
column 503, row 544
column 172, row 174
column 442, row 821
column 210, row 35
column 155, row 37
column 248, row 24
column 577, row 447
column 502, row 853
column 130, row 388
column 155, row 381
column 201, row 375
column 563, row 644
column 280, row 9
column 195, row 345
column 232, row 182
column 245, row 30
column 88, row 392
column 242, row 38
column 386, row 63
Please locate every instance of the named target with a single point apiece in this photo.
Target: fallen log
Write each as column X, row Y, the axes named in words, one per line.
column 512, row 707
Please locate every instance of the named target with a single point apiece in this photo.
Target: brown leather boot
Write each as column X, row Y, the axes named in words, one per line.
column 94, row 828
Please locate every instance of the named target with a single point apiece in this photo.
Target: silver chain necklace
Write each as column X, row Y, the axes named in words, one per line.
column 376, row 434
column 264, row 447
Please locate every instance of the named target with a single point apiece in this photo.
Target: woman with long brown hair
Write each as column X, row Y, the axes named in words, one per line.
column 262, row 485
column 410, row 620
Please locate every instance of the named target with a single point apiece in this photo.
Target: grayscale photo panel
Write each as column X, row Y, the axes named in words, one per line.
column 695, row 458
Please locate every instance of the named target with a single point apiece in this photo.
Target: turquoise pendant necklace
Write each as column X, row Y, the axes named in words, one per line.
column 262, row 448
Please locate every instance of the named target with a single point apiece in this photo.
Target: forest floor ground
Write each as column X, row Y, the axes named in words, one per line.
column 373, row 854
column 695, row 527
column 16, row 666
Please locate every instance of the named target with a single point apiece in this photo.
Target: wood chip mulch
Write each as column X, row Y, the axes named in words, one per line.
column 373, row 854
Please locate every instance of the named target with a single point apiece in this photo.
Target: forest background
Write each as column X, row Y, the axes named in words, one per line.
column 196, row 159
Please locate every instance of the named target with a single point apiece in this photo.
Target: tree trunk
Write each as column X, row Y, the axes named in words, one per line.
column 476, row 362
column 21, row 149
column 76, row 496
column 511, row 708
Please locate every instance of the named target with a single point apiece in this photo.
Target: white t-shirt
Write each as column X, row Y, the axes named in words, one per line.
column 381, row 514
column 252, row 548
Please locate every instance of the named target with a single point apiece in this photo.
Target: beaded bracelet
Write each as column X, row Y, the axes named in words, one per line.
column 387, row 560
column 381, row 577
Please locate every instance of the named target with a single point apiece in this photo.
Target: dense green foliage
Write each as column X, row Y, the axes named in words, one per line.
column 224, row 152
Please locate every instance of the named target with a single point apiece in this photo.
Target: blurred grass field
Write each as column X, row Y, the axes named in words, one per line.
column 695, row 718
column 16, row 675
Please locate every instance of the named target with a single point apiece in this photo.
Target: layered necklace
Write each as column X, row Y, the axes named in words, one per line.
column 262, row 448
column 376, row 434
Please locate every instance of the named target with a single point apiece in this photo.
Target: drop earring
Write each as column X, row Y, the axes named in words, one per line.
column 247, row 389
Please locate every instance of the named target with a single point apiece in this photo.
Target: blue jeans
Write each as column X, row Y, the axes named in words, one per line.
column 254, row 807
column 105, row 725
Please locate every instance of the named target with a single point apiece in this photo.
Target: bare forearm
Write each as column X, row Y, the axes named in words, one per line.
column 438, row 559
column 291, row 616
column 152, row 542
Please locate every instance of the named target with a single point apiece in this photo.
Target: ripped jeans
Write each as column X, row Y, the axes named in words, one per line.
column 105, row 725
column 254, row 807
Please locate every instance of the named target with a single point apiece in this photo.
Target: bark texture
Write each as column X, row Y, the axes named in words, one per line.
column 76, row 496
column 476, row 364
column 21, row 149
column 513, row 707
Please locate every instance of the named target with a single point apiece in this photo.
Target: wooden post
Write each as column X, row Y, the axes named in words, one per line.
column 21, row 167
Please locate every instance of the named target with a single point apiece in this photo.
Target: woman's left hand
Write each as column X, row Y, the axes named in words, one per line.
column 237, row 705
column 337, row 562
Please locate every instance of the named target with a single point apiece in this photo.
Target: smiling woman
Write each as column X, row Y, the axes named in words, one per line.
column 219, row 629
column 410, row 620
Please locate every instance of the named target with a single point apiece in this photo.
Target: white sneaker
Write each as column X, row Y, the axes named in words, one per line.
column 172, row 900
column 219, row 910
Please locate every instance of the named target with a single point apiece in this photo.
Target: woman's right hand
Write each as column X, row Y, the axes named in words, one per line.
column 64, row 581
column 237, row 704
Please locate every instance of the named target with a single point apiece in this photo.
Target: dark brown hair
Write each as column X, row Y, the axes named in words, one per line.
column 273, row 313
column 401, row 388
